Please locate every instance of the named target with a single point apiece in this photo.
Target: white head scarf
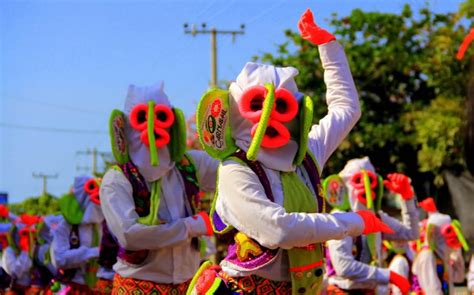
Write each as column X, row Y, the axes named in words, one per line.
column 253, row 74
column 92, row 212
column 139, row 152
column 353, row 166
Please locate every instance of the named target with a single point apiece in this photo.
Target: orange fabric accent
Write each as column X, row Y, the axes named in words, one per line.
column 307, row 267
column 35, row 290
column 123, row 286
column 103, row 287
column 207, row 221
column 260, row 286
column 78, row 289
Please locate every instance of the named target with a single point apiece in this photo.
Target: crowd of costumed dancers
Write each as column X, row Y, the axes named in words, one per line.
column 141, row 229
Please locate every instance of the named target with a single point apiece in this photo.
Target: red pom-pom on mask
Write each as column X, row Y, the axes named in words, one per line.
column 251, row 103
column 284, row 110
column 286, row 106
column 276, row 135
column 450, row 236
column 162, row 137
column 164, row 116
column 139, row 117
column 357, row 181
column 91, row 187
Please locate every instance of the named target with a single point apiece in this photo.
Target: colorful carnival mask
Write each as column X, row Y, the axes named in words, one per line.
column 442, row 230
column 79, row 205
column 24, row 232
column 262, row 114
column 91, row 187
column 364, row 188
column 283, row 109
column 148, row 118
column 364, row 183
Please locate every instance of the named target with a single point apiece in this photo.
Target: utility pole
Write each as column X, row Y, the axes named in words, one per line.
column 94, row 153
column 45, row 180
column 214, row 32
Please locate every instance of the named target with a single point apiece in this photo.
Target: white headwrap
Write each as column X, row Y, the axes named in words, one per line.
column 253, row 74
column 139, row 152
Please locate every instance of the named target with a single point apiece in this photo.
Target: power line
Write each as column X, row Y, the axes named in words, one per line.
column 265, row 12
column 219, row 12
column 52, row 129
column 57, row 106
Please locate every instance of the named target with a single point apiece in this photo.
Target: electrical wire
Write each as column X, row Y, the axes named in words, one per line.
column 52, row 129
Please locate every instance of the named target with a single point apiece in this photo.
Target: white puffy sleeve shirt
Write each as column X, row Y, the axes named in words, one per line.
column 171, row 259
column 62, row 256
column 243, row 203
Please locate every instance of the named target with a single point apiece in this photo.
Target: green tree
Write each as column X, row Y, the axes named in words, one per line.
column 409, row 82
column 42, row 205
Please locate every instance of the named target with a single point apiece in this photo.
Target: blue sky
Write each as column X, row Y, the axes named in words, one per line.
column 64, row 65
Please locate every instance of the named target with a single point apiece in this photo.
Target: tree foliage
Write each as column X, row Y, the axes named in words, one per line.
column 41, row 205
column 411, row 87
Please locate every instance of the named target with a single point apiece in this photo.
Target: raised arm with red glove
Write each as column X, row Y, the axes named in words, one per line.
column 310, row 31
column 400, row 183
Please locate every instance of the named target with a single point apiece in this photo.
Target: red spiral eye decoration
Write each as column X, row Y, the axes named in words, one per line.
column 286, row 106
column 251, row 103
column 139, row 117
column 164, row 116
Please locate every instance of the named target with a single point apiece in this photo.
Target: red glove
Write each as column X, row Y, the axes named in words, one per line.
column 401, row 282
column 372, row 224
column 400, row 183
column 311, row 32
